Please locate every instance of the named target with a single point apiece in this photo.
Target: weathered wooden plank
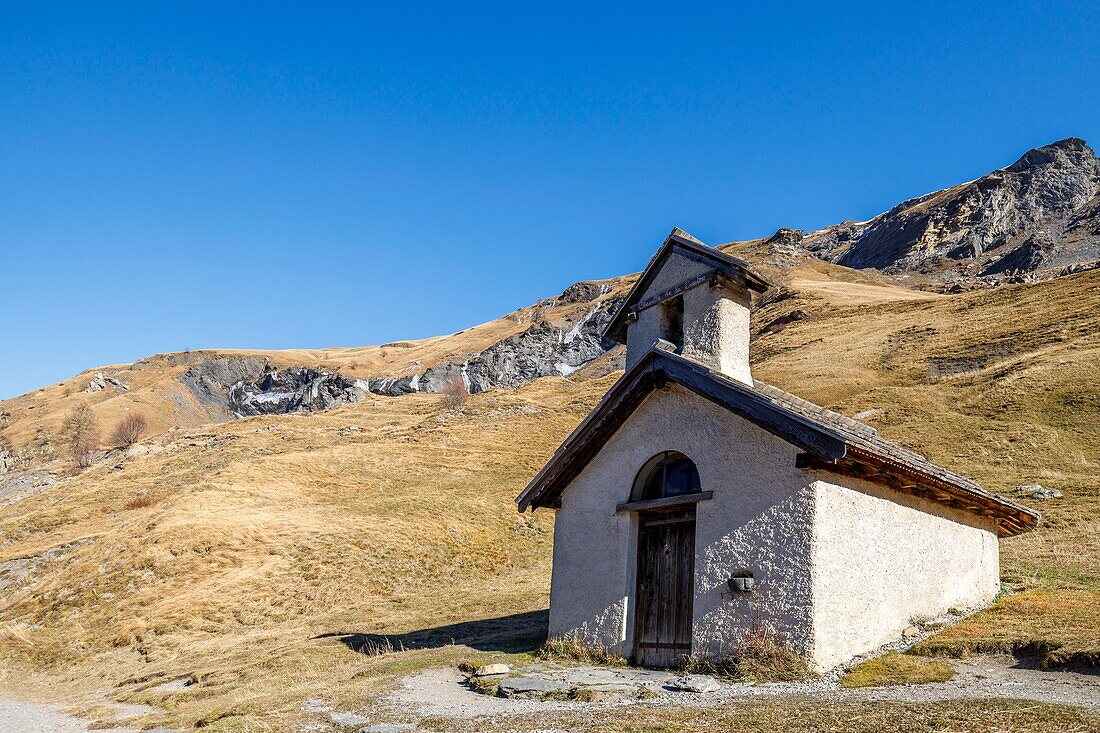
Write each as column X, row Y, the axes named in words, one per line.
column 664, row 503
column 673, row 291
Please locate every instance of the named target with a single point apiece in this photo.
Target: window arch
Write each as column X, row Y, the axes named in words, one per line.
column 668, row 473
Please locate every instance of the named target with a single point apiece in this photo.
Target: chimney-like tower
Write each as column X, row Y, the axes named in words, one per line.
column 698, row 299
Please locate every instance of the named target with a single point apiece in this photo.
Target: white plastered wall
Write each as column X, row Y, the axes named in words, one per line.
column 840, row 569
column 760, row 518
column 716, row 319
column 882, row 559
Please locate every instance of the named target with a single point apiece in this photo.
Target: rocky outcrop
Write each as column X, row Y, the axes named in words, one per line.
column 7, row 456
column 297, row 389
column 583, row 292
column 209, row 379
column 101, row 381
column 244, row 386
column 542, row 350
column 1037, row 217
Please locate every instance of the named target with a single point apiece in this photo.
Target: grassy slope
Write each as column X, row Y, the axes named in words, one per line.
column 157, row 393
column 251, row 539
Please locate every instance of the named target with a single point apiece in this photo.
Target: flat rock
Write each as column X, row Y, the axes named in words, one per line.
column 341, row 718
column 174, row 685
column 490, row 670
column 697, row 684
column 1037, row 491
column 608, row 692
column 528, row 688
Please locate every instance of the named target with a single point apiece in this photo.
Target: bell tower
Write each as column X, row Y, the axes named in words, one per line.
column 696, row 298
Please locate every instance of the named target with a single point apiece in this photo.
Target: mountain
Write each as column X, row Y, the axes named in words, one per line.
column 285, row 508
column 1039, row 217
column 227, row 572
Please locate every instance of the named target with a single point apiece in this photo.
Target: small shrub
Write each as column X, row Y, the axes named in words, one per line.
column 143, row 501
column 83, row 458
column 897, row 669
column 583, row 695
column 759, row 658
column 574, row 650
column 484, row 685
column 129, row 430
column 454, row 393
column 81, row 432
column 379, row 646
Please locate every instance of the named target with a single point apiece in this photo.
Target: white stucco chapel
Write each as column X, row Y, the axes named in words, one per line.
column 695, row 505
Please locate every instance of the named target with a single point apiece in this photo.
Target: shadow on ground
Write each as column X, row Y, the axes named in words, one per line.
column 520, row 632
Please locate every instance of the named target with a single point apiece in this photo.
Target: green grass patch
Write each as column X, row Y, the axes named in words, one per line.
column 897, row 669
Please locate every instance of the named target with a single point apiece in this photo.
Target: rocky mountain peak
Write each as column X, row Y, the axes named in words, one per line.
column 1039, row 217
column 1072, row 152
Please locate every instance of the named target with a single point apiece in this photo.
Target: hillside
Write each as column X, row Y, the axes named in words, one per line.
column 254, row 556
column 1039, row 217
column 185, row 390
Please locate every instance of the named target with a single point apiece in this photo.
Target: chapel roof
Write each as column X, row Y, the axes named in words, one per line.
column 831, row 441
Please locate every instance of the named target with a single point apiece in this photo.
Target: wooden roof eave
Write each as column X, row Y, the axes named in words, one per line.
column 1010, row 518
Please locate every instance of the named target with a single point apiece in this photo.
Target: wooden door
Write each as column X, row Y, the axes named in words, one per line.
column 666, row 584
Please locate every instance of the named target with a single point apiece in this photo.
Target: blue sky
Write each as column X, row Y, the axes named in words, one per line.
column 313, row 175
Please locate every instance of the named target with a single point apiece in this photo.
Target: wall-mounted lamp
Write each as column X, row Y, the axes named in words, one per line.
column 741, row 581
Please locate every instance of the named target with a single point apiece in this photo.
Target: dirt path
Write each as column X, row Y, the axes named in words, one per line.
column 440, row 692
column 37, row 718
column 995, row 677
column 32, row 717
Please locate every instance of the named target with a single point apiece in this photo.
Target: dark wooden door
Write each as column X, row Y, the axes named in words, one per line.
column 666, row 584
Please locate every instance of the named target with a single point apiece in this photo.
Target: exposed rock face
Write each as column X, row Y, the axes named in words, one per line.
column 540, row 351
column 100, row 382
column 245, row 385
column 210, row 378
column 296, row 389
column 1037, row 491
column 583, row 292
column 1037, row 217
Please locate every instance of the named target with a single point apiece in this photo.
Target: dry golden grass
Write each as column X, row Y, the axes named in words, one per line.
column 759, row 658
column 274, row 540
column 579, row 652
column 273, row 546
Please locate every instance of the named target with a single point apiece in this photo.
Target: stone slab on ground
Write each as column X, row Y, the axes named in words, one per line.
column 537, row 681
column 531, row 687
column 607, row 692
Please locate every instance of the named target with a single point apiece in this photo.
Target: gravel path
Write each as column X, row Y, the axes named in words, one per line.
column 440, row 692
column 33, row 717
column 29, row 717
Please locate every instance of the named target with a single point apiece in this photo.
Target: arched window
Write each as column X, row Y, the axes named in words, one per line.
column 665, row 474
